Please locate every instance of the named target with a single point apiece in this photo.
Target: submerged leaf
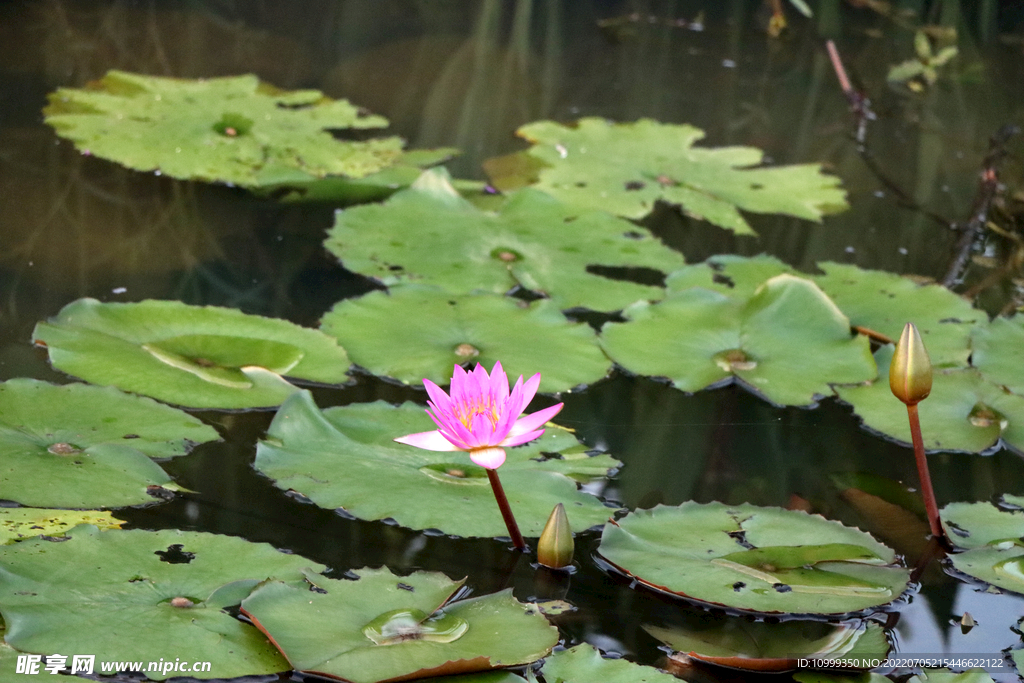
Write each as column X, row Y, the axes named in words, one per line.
column 233, row 130
column 740, row 643
column 691, row 551
column 339, row 457
column 429, row 234
column 625, row 168
column 382, row 627
column 417, row 332
column 788, row 342
column 81, row 446
column 201, row 357
column 142, row 595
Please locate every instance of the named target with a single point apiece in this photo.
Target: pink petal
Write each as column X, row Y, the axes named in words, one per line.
column 442, row 404
column 483, row 430
column 499, row 384
column 529, row 391
column 489, row 458
column 431, row 441
column 528, row 423
column 520, row 439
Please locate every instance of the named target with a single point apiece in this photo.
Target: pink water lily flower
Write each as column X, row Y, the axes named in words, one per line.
column 481, row 416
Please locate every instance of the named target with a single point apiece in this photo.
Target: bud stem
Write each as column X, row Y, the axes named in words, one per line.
column 927, row 492
column 506, row 511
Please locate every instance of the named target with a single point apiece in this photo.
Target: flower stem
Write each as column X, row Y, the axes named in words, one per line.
column 506, row 511
column 927, row 492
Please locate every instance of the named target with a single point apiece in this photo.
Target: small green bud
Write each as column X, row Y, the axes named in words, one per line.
column 910, row 373
column 555, row 547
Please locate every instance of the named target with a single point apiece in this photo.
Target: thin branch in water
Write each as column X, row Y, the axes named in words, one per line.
column 973, row 232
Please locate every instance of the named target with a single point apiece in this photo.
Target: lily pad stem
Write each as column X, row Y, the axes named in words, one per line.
column 927, row 492
column 506, row 511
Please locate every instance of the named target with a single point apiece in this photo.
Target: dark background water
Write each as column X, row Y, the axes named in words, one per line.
column 466, row 74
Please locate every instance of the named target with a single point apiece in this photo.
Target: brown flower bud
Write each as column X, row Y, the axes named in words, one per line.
column 555, row 547
column 910, row 373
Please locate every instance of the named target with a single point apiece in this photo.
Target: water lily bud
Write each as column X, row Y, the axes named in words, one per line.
column 555, row 547
column 910, row 373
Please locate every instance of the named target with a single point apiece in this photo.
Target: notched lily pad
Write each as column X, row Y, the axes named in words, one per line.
column 430, row 234
column 963, row 412
column 80, row 446
column 584, row 664
column 382, row 627
column 996, row 352
column 625, row 168
column 338, row 458
column 17, row 524
column 142, row 595
column 233, row 130
column 737, row 276
column 992, row 541
column 201, row 357
column 415, row 332
column 787, row 342
column 765, row 560
column 885, row 302
column 741, row 643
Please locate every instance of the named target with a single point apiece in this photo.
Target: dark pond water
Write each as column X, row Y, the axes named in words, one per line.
column 467, row 74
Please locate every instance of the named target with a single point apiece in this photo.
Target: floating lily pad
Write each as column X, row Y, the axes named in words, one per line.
column 885, row 302
column 338, row 458
column 17, row 524
column 80, row 446
column 431, row 234
column 201, row 357
column 993, row 543
column 584, row 664
column 740, row 643
column 788, row 342
column 142, row 595
column 625, row 168
column 997, row 352
column 754, row 559
column 962, row 413
column 737, row 276
column 384, row 627
column 233, row 130
column 416, row 332
column 822, row 677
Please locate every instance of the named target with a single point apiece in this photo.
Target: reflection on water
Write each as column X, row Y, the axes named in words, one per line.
column 466, row 74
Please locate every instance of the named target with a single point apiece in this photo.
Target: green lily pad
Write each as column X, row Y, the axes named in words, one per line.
column 996, row 352
column 788, row 342
column 701, row 552
column 416, row 332
column 962, row 413
column 80, row 446
column 584, row 664
column 142, row 595
column 233, row 130
column 338, row 459
column 383, row 627
column 822, row 677
column 993, row 543
column 17, row 524
column 737, row 276
column 625, row 168
column 885, row 302
column 740, row 643
column 201, row 357
column 430, row 234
